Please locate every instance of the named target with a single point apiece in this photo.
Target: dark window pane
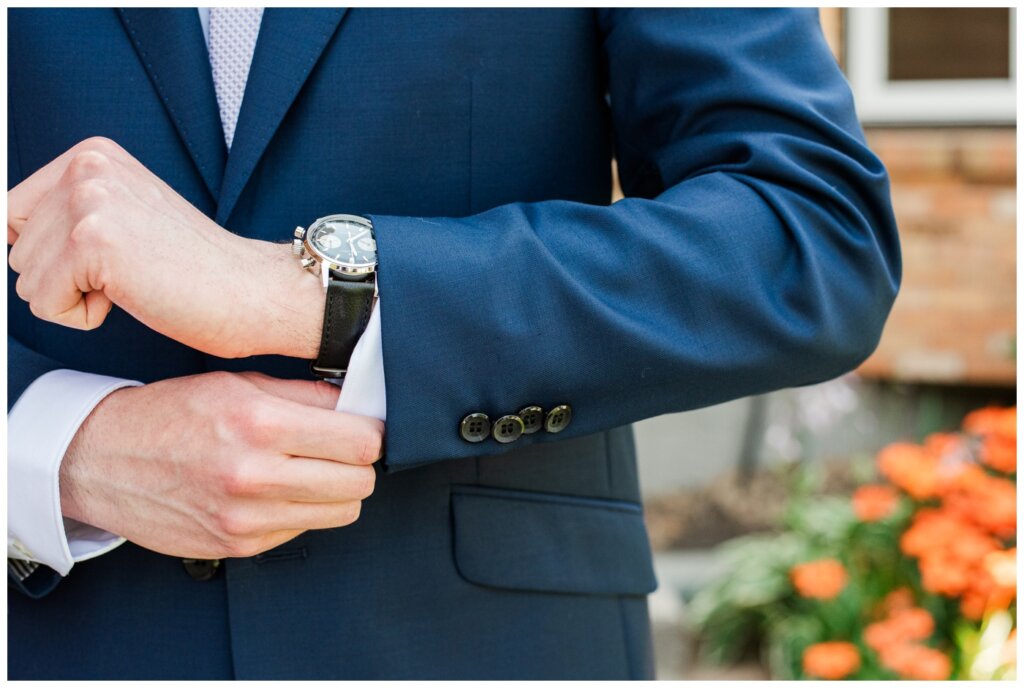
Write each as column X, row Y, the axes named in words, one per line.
column 961, row 43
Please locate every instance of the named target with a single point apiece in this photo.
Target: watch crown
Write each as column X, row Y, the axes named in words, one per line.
column 300, row 232
column 307, row 262
column 297, row 247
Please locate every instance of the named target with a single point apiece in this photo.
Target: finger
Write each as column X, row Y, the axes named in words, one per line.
column 301, row 479
column 276, row 538
column 86, row 313
column 309, row 516
column 22, row 199
column 32, row 235
column 308, row 392
column 324, row 434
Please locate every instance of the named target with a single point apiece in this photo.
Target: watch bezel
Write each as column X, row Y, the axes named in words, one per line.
column 345, row 270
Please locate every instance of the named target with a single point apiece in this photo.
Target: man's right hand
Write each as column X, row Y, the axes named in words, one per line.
column 219, row 464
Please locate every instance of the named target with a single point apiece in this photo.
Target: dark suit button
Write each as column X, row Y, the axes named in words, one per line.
column 201, row 569
column 533, row 419
column 475, row 427
column 508, row 429
column 558, row 418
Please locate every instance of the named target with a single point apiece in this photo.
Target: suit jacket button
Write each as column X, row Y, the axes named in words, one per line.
column 558, row 418
column 508, row 429
column 475, row 427
column 201, row 569
column 533, row 419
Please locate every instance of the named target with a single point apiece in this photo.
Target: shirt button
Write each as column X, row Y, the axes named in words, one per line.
column 508, row 429
column 533, row 419
column 201, row 569
column 558, row 418
column 475, row 427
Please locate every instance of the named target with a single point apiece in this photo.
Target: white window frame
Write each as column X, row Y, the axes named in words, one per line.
column 925, row 101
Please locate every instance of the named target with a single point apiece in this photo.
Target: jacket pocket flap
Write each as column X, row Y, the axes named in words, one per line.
column 551, row 543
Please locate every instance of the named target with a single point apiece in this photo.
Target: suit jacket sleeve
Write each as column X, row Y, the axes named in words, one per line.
column 756, row 249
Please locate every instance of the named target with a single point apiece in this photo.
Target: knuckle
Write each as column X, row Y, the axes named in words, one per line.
column 239, row 480
column 243, row 547
column 38, row 309
column 22, row 289
column 100, row 144
column 350, row 514
column 232, row 524
column 254, row 420
column 86, row 196
column 365, row 482
column 326, row 391
column 372, row 441
column 88, row 231
column 261, row 420
column 88, row 163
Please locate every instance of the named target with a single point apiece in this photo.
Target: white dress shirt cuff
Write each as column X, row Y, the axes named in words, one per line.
column 363, row 391
column 41, row 425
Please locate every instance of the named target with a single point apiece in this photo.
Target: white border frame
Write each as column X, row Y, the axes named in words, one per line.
column 931, row 101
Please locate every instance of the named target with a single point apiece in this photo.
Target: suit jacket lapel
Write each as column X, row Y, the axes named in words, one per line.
column 170, row 45
column 289, row 44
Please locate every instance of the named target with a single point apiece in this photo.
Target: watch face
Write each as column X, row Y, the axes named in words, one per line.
column 346, row 242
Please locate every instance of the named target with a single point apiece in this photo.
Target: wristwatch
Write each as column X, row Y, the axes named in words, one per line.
column 341, row 249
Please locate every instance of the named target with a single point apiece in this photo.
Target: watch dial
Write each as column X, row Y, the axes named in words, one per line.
column 345, row 242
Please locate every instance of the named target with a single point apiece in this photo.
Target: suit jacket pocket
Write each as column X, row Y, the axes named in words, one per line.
column 542, row 542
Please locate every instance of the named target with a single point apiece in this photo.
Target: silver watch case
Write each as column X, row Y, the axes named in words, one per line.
column 320, row 264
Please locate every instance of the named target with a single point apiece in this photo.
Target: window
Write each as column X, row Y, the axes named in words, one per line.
column 932, row 65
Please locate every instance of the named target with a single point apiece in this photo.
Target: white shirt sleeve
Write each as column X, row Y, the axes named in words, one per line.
column 40, row 427
column 46, row 417
column 363, row 390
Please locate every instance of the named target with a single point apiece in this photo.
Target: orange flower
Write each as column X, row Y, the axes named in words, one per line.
column 874, row 502
column 900, row 598
column 993, row 420
column 993, row 585
column 916, row 662
column 973, row 605
column 1000, row 453
column 930, row 531
column 943, row 444
column 943, row 574
column 831, row 661
column 903, row 626
column 985, row 500
column 911, row 468
column 913, row 624
column 823, row 579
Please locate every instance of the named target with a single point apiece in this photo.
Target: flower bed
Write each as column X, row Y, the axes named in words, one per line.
column 912, row 576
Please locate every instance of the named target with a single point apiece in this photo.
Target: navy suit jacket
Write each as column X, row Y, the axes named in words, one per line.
column 756, row 249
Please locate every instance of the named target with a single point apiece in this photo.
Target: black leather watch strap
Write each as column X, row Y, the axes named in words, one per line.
column 348, row 309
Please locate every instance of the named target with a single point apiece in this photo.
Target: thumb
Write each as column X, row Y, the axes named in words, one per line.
column 307, row 392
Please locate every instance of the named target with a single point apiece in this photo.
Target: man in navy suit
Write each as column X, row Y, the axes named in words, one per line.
column 186, row 502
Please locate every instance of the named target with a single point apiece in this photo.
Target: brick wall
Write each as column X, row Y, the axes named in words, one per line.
column 954, row 194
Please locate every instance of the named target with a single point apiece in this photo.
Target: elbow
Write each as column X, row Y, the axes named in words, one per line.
column 853, row 317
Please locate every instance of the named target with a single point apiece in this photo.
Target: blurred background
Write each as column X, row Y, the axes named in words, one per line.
column 936, row 92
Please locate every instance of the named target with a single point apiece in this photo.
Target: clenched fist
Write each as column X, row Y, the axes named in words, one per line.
column 220, row 464
column 95, row 228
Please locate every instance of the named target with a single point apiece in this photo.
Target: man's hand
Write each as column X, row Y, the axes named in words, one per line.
column 95, row 228
column 220, row 464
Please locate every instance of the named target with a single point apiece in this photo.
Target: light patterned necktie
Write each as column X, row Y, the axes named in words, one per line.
column 233, row 32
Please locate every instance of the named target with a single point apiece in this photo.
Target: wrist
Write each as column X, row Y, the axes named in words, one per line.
column 80, row 493
column 290, row 307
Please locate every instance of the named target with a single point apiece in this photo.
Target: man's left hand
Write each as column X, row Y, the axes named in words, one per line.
column 94, row 228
